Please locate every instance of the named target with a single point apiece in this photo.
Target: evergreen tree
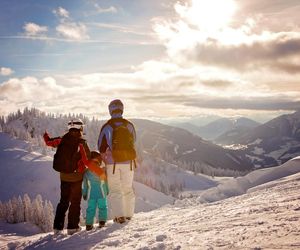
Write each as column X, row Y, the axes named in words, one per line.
column 9, row 212
column 14, row 203
column 47, row 217
column 17, row 210
column 27, row 208
column 2, row 210
column 20, row 211
column 37, row 210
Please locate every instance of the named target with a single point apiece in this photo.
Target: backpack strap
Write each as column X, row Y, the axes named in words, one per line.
column 112, row 122
column 103, row 126
column 114, row 167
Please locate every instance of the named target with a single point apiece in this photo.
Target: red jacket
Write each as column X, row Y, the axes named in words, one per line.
column 83, row 163
column 52, row 142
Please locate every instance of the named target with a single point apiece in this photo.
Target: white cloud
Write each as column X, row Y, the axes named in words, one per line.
column 110, row 9
column 153, row 89
column 222, row 41
column 33, row 29
column 207, row 15
column 61, row 12
column 133, row 29
column 30, row 88
column 17, row 93
column 71, row 30
column 6, row 71
column 207, row 68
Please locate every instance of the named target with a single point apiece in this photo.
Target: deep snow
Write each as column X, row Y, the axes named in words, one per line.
column 258, row 211
column 265, row 218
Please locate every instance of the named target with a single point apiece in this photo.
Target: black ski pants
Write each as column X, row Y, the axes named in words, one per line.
column 70, row 198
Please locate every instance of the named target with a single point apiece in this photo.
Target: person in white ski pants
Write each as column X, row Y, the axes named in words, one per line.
column 121, row 194
column 121, row 197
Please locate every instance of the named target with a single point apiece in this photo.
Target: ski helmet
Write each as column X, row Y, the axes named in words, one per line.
column 116, row 106
column 75, row 123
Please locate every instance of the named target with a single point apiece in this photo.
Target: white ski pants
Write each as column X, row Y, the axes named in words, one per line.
column 121, row 195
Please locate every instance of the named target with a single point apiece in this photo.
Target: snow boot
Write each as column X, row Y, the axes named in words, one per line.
column 57, row 232
column 101, row 224
column 89, row 227
column 73, row 230
column 128, row 218
column 120, row 220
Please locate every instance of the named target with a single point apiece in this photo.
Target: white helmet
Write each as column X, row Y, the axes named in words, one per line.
column 76, row 123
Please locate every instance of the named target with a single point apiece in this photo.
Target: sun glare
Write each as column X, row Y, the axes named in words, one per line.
column 209, row 15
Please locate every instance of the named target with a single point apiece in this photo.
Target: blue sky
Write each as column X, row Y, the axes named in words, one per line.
column 164, row 59
column 106, row 48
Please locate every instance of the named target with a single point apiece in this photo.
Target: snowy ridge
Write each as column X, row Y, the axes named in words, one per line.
column 265, row 218
column 240, row 185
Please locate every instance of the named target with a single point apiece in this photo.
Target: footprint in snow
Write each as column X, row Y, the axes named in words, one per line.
column 161, row 237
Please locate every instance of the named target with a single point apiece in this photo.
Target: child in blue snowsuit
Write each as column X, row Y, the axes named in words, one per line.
column 95, row 191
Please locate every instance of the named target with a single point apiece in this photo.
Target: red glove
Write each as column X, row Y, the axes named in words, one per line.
column 46, row 137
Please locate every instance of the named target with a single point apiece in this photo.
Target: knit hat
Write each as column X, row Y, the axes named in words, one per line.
column 116, row 106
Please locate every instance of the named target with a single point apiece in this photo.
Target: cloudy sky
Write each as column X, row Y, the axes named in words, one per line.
column 163, row 58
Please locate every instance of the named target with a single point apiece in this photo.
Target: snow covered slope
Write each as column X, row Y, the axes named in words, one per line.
column 267, row 217
column 183, row 146
column 23, row 172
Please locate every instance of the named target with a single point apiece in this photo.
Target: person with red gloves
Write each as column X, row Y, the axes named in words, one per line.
column 71, row 179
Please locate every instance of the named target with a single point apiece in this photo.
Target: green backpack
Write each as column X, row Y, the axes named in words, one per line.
column 122, row 141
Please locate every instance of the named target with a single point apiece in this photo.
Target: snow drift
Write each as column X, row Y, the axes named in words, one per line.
column 241, row 185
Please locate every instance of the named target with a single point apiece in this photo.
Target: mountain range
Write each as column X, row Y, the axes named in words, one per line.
column 181, row 145
column 265, row 145
column 217, row 128
column 244, row 144
column 166, row 142
column 273, row 142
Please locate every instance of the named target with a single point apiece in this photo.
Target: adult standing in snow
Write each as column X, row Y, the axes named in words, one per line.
column 67, row 161
column 116, row 145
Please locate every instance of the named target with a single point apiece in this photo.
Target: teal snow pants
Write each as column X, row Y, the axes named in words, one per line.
column 91, row 210
column 96, row 192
